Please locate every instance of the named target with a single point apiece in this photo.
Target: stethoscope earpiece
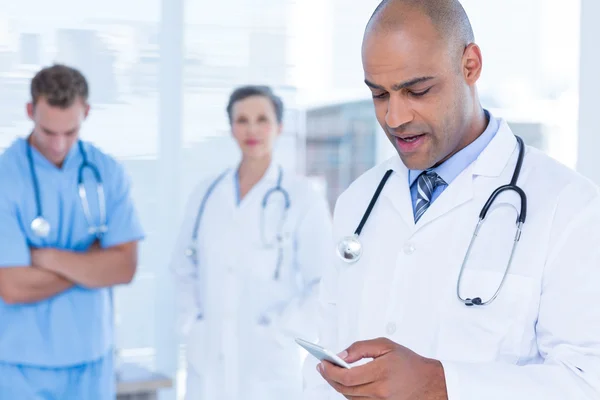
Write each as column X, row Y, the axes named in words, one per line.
column 473, row 302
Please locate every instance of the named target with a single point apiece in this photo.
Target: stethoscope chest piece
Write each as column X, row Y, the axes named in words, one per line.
column 350, row 249
column 191, row 253
column 40, row 227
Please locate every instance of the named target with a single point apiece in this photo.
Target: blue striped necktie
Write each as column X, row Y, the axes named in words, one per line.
column 426, row 184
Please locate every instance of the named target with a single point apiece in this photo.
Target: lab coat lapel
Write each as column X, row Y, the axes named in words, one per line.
column 456, row 194
column 497, row 156
column 256, row 194
column 491, row 162
column 397, row 190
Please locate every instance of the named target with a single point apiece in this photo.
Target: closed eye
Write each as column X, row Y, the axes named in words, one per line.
column 419, row 94
column 380, row 96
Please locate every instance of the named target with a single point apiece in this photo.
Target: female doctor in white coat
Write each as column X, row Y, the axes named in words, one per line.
column 250, row 252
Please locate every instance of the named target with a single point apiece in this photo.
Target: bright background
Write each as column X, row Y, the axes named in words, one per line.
column 161, row 71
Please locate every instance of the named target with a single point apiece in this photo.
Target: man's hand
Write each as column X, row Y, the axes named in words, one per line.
column 395, row 373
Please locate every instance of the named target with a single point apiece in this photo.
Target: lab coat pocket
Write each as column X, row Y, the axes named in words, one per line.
column 196, row 348
column 272, row 348
column 486, row 333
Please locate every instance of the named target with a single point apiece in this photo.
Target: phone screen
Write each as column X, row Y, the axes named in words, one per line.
column 322, row 354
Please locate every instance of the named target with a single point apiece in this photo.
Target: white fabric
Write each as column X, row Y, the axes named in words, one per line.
column 540, row 339
column 235, row 286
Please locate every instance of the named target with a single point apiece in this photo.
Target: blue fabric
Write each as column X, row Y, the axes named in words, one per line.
column 76, row 326
column 90, row 381
column 456, row 164
column 427, row 183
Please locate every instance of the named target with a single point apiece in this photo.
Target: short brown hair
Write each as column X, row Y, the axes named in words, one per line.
column 60, row 85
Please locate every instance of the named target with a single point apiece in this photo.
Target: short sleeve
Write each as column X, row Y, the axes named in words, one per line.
column 121, row 216
column 14, row 250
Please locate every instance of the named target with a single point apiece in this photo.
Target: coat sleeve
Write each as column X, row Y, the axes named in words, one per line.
column 184, row 272
column 313, row 254
column 314, row 386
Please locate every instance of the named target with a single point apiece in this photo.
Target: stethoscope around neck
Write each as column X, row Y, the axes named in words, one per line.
column 40, row 225
column 350, row 248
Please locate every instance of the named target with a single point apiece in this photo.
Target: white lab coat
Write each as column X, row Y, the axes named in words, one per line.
column 540, row 338
column 229, row 354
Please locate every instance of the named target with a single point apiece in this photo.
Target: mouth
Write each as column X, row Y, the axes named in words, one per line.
column 411, row 138
column 409, row 143
column 252, row 142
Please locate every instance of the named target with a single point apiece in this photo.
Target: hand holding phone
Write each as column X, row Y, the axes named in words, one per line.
column 322, row 353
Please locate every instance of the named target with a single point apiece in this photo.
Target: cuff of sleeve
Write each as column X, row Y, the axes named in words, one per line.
column 24, row 261
column 452, row 380
column 111, row 241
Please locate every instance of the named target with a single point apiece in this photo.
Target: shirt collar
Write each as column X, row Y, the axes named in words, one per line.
column 272, row 176
column 452, row 167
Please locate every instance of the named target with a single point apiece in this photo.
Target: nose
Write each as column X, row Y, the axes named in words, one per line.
column 253, row 128
column 398, row 111
column 253, row 131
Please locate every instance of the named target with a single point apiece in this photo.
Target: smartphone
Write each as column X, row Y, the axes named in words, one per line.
column 322, row 354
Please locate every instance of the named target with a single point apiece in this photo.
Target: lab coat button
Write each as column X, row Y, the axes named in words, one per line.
column 391, row 328
column 409, row 248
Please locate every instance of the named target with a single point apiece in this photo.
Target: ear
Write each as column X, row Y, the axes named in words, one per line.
column 472, row 63
column 279, row 129
column 30, row 110
column 87, row 111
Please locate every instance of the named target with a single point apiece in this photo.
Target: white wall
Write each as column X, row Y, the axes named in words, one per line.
column 589, row 91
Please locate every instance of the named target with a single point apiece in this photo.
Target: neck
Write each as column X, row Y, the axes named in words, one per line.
column 251, row 170
column 480, row 123
column 32, row 143
column 475, row 128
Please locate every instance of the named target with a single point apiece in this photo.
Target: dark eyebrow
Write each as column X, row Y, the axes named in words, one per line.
column 51, row 132
column 48, row 131
column 400, row 86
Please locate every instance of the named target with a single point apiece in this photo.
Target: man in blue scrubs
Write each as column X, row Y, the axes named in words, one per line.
column 56, row 327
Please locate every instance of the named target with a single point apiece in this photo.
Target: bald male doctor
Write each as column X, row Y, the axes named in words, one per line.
column 414, row 319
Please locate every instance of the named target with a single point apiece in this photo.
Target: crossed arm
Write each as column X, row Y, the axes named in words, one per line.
column 53, row 271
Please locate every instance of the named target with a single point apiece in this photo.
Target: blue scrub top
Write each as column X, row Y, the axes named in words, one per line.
column 75, row 326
